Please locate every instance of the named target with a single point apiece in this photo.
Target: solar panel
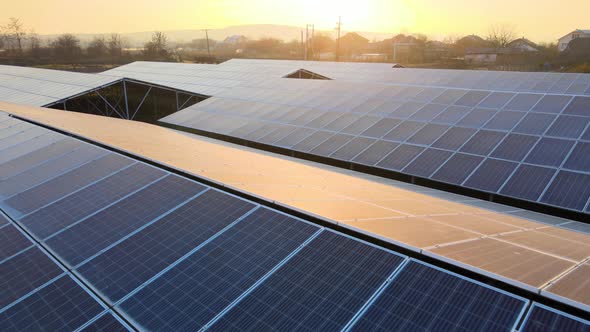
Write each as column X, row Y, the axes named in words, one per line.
column 528, row 182
column 60, row 306
column 535, row 123
column 425, row 298
column 514, row 147
column 32, row 159
column 106, row 322
column 319, row 289
column 352, row 148
column 568, row 189
column 491, row 175
column 43, row 172
column 191, row 293
column 428, row 134
column 375, row 152
column 454, row 138
column 24, row 273
column 128, row 265
column 542, row 318
column 483, row 142
column 550, row 152
column 400, row 157
column 53, row 189
column 578, row 106
column 457, row 168
column 65, row 212
column 427, row 162
column 12, row 241
column 93, row 234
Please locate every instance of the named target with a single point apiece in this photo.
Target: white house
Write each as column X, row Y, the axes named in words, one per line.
column 565, row 40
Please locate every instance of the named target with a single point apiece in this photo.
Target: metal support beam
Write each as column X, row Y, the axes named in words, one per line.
column 141, row 103
column 126, row 101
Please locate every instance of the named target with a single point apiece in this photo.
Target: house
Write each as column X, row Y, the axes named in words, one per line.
column 523, row 45
column 353, row 44
column 565, row 40
column 481, row 55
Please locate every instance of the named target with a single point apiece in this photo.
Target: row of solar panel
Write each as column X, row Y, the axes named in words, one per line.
column 169, row 253
column 534, row 168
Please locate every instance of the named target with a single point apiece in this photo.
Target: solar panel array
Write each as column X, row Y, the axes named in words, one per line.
column 102, row 241
column 38, row 87
column 529, row 146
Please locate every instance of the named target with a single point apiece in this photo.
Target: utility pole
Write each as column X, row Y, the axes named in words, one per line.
column 311, row 42
column 302, row 46
column 339, row 24
column 207, row 37
column 306, row 42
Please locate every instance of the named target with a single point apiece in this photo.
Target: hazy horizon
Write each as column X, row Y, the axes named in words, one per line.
column 539, row 20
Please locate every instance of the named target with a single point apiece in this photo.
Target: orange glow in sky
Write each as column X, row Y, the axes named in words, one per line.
column 539, row 20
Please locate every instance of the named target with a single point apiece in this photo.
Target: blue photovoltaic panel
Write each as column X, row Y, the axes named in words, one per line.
column 380, row 128
column 451, row 115
column 360, row 125
column 579, row 159
column 60, row 306
column 514, row 147
column 191, row 293
column 528, row 182
column 523, row 102
column 472, row 98
column 550, row 152
column 332, row 144
column 424, row 298
column 428, row 134
column 312, row 141
column 3, row 220
column 375, row 152
column 32, row 159
column 12, row 241
column 535, row 123
column 49, row 191
column 454, row 138
column 491, row 175
column 427, row 162
column 106, row 323
column 568, row 189
column 404, row 131
column 483, row 142
column 544, row 319
column 36, row 175
column 87, row 238
column 128, row 265
column 319, row 289
column 400, row 157
column 552, row 104
column 56, row 216
column 428, row 112
column 457, row 168
column 504, row 120
column 578, row 106
column 568, row 126
column 24, row 273
column 19, row 150
column 476, row 118
column 295, row 137
column 496, row 100
column 352, row 148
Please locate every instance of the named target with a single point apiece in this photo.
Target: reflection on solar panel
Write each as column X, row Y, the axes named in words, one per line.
column 106, row 322
column 542, row 318
column 404, row 134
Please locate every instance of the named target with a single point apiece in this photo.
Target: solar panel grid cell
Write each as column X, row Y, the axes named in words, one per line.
column 12, row 241
column 424, row 298
column 191, row 293
column 87, row 238
column 106, row 323
column 320, row 288
column 60, row 306
column 542, row 318
column 24, row 273
column 123, row 268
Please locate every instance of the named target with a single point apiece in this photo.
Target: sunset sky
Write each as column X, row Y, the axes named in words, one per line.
column 539, row 20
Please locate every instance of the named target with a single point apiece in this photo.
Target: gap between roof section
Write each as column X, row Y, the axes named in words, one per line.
column 130, row 99
column 306, row 74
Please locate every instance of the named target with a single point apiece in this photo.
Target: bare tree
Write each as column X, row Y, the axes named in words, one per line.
column 34, row 43
column 97, row 47
column 66, row 46
column 115, row 45
column 158, row 46
column 15, row 34
column 501, row 35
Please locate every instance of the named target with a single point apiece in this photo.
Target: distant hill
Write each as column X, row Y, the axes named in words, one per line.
column 254, row 31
